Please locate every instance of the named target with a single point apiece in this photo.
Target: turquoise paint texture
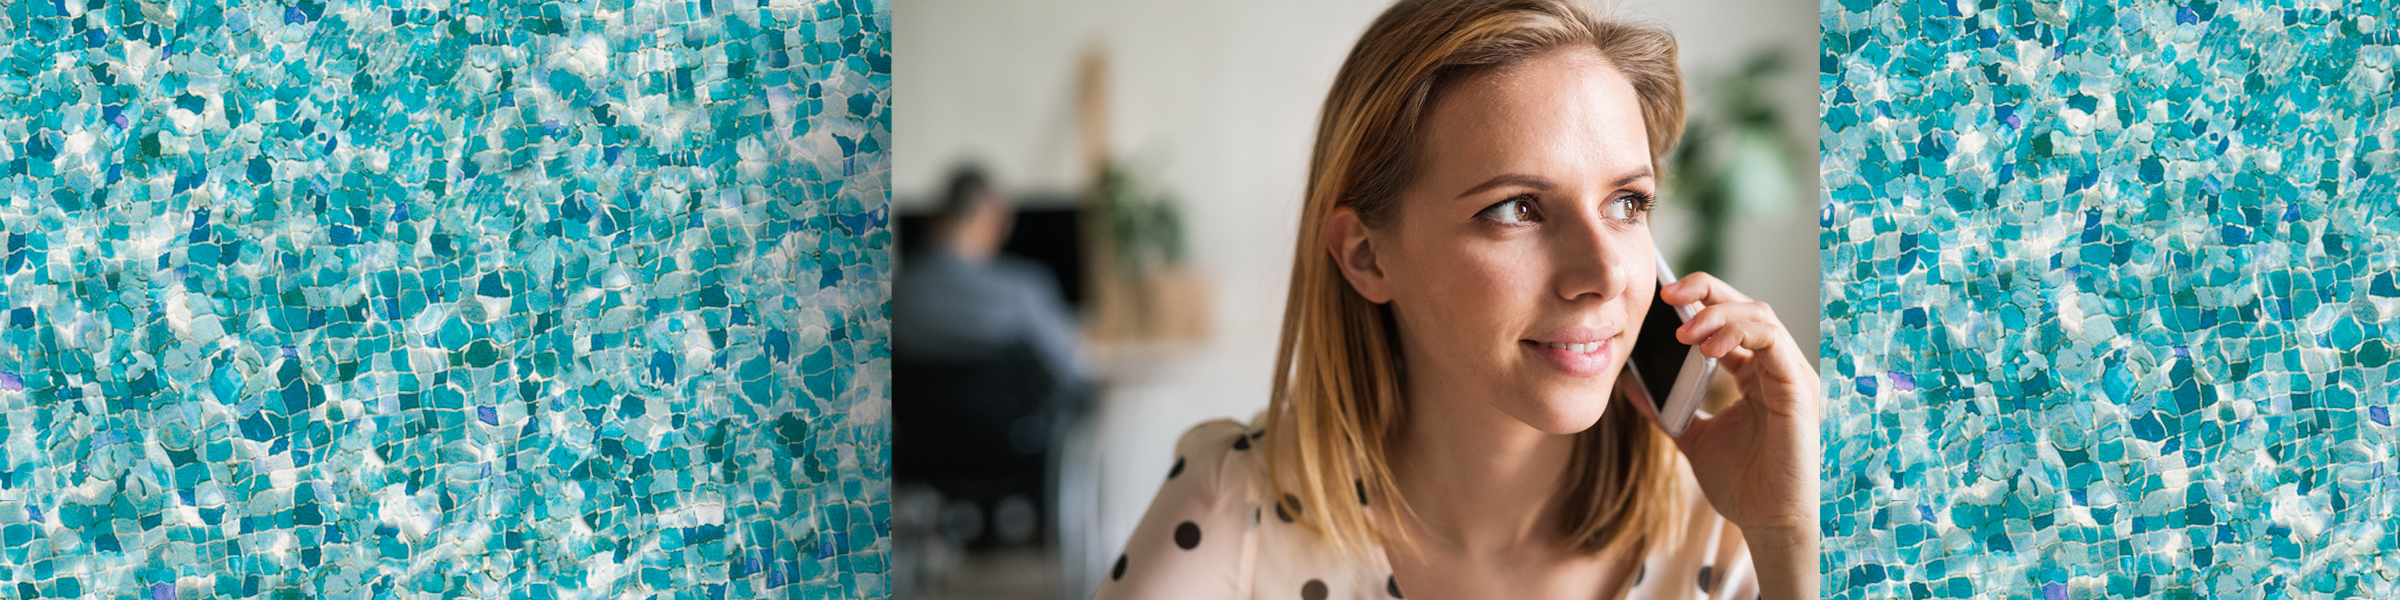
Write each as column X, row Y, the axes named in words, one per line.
column 2109, row 299
column 435, row 299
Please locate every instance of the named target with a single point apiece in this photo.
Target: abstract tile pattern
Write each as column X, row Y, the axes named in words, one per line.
column 412, row 298
column 2110, row 299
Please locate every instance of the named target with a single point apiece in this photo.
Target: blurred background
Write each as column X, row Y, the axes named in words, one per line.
column 1133, row 180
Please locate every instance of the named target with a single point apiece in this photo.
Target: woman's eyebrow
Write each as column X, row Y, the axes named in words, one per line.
column 1541, row 184
column 1508, row 179
column 1637, row 175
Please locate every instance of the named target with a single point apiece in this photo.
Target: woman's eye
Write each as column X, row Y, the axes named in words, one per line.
column 1629, row 207
column 1513, row 210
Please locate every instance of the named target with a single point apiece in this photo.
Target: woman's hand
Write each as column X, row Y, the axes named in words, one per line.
column 1757, row 460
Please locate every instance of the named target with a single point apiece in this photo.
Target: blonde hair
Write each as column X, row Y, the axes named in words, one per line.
column 1335, row 414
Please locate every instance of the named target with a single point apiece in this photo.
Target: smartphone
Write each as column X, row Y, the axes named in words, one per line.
column 1667, row 375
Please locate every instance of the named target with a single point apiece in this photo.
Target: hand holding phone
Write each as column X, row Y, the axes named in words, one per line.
column 1758, row 458
column 1663, row 374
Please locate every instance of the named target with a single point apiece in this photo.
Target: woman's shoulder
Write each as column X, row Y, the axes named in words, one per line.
column 1220, row 444
column 1218, row 468
column 1206, row 533
column 1194, row 541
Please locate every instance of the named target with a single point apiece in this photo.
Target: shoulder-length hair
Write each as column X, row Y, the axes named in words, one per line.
column 1336, row 410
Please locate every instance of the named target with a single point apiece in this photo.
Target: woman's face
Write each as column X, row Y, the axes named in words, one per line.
column 1520, row 263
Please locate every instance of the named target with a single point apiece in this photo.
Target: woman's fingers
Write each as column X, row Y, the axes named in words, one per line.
column 1703, row 288
column 1739, row 333
column 1752, row 336
column 1744, row 334
column 1705, row 324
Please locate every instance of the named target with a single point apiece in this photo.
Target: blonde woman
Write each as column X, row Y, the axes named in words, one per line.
column 1474, row 261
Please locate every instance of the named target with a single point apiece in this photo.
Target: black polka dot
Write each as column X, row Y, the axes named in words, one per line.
column 1313, row 590
column 1187, row 535
column 1705, row 571
column 1118, row 572
column 1288, row 499
column 1391, row 585
column 1241, row 443
column 1178, row 470
column 1639, row 572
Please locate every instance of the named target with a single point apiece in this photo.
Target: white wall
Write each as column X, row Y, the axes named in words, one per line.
column 1222, row 96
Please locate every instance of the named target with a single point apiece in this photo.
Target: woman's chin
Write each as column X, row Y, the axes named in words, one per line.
column 1563, row 410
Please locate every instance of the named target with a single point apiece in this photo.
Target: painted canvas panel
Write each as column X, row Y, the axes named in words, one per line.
column 2109, row 299
column 443, row 299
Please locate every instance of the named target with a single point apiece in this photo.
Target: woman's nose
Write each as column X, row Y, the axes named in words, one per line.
column 1591, row 258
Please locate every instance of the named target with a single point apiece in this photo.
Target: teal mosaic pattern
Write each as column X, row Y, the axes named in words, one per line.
column 2110, row 299
column 444, row 299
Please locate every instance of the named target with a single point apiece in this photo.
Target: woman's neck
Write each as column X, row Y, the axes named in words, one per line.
column 1479, row 482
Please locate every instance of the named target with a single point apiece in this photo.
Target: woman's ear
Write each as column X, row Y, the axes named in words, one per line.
column 1346, row 239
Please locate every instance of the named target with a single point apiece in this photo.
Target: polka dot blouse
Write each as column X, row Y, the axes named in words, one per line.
column 1206, row 535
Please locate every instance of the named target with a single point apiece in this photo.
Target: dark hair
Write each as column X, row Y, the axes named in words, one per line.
column 967, row 183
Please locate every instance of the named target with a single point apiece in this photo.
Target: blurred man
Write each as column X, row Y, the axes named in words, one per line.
column 962, row 300
column 984, row 362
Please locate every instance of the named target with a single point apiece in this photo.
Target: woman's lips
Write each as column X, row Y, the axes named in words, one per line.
column 1586, row 359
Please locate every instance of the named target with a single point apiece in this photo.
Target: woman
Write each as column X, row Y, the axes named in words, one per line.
column 1474, row 260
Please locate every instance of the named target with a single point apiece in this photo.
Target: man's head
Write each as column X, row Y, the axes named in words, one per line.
column 974, row 219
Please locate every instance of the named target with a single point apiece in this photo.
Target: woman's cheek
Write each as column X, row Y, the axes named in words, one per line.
column 1492, row 290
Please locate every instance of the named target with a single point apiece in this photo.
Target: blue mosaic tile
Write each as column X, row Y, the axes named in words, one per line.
column 2109, row 299
column 401, row 299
